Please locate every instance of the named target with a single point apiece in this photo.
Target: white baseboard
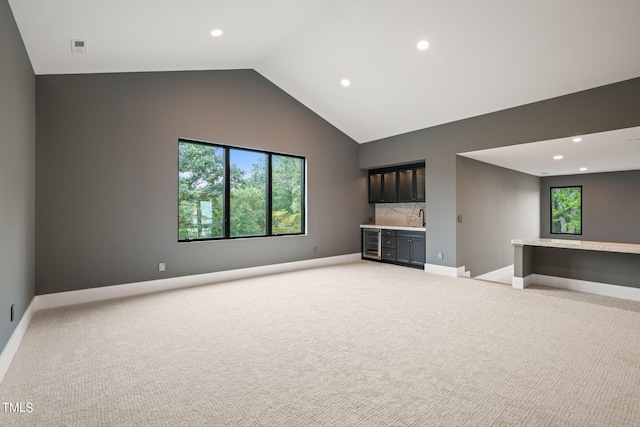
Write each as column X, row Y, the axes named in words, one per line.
column 446, row 271
column 16, row 337
column 118, row 291
column 616, row 291
column 498, row 275
column 522, row 282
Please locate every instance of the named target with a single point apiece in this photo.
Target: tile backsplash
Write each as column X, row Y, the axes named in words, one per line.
column 400, row 214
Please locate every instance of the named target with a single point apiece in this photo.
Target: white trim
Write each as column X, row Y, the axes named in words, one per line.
column 522, row 282
column 617, row 291
column 445, row 271
column 498, row 275
column 118, row 291
column 16, row 337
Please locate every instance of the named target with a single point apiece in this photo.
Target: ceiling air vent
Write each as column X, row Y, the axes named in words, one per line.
column 78, row 46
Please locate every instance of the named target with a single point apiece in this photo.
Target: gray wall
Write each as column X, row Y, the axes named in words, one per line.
column 496, row 205
column 107, row 174
column 17, row 175
column 592, row 266
column 610, row 206
column 605, row 108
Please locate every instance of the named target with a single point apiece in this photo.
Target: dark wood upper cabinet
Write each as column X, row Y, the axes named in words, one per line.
column 390, row 187
column 420, row 184
column 397, row 184
column 411, row 184
column 406, row 186
column 375, row 187
column 383, row 187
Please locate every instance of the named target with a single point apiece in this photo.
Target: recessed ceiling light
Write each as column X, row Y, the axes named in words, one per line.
column 583, row 169
column 216, row 33
column 578, row 139
column 423, row 45
column 558, row 157
column 345, row 82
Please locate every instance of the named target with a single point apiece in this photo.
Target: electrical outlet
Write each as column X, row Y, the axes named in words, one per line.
column 162, row 266
column 315, row 250
column 440, row 255
column 12, row 312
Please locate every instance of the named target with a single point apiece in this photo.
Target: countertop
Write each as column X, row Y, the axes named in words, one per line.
column 393, row 227
column 628, row 248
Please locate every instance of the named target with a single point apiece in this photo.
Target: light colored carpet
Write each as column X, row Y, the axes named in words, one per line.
column 360, row 344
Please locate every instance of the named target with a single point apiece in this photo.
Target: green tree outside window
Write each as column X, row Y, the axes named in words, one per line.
column 566, row 210
column 200, row 191
column 220, row 200
column 286, row 190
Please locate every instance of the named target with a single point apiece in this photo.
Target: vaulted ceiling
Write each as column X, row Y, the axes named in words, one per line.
column 483, row 56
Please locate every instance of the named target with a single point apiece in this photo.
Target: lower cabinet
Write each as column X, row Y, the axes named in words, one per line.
column 403, row 247
column 410, row 248
column 389, row 240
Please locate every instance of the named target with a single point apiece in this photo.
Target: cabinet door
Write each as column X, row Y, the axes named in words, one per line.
column 389, row 187
column 403, row 250
column 405, row 185
column 411, row 185
column 410, row 248
column 420, row 185
column 375, row 187
column 417, row 252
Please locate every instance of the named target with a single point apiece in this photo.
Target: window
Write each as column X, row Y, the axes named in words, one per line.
column 248, row 193
column 201, row 188
column 566, row 210
column 287, row 185
column 229, row 192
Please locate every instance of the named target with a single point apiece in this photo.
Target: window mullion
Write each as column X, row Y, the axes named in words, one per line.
column 303, row 198
column 227, row 193
column 269, row 195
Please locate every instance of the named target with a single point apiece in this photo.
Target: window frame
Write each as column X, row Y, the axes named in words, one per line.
column 226, row 235
column 551, row 210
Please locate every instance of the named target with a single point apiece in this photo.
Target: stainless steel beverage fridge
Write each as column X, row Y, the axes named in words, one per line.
column 371, row 243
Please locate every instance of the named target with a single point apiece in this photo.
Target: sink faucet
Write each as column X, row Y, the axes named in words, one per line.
column 421, row 211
